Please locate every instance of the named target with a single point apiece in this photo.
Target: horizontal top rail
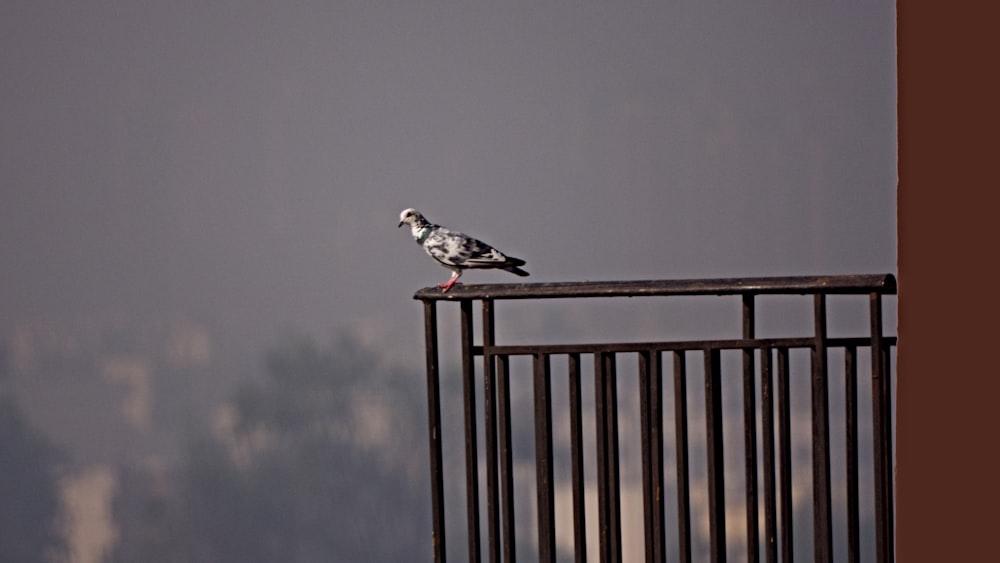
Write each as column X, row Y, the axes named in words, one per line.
column 836, row 284
column 667, row 346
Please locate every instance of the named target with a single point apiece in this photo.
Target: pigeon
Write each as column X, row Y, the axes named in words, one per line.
column 456, row 251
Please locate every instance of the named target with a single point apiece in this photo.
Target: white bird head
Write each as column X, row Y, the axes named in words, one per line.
column 411, row 217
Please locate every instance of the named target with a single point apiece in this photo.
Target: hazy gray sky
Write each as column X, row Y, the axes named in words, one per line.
column 244, row 163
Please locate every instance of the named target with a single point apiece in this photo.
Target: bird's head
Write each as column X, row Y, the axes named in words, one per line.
column 411, row 217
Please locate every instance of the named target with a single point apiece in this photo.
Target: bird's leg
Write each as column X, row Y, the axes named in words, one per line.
column 454, row 279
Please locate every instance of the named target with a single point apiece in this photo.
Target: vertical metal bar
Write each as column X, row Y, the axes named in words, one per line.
column 889, row 487
column 601, row 433
column 506, row 459
column 881, row 428
column 614, row 482
column 434, row 428
column 750, row 431
column 490, row 422
column 785, row 457
column 651, row 423
column 608, row 494
column 681, row 439
column 656, row 412
column 822, row 531
column 767, row 427
column 647, row 472
column 471, row 448
column 851, row 415
column 543, row 460
column 714, row 447
column 576, row 455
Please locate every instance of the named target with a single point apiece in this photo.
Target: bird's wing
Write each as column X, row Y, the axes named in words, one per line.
column 454, row 249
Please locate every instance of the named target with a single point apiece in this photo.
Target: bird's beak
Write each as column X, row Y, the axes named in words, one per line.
column 400, row 224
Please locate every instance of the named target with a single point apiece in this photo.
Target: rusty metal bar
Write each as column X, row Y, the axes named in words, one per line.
column 601, row 419
column 851, row 432
column 434, row 431
column 767, row 427
column 543, row 460
column 889, row 463
column 651, row 423
column 681, row 453
column 636, row 347
column 714, row 447
column 608, row 486
column 822, row 519
column 471, row 448
column 644, row 438
column 576, row 456
column 750, row 431
column 839, row 284
column 506, row 459
column 490, row 423
column 882, row 435
column 614, row 482
column 785, row 458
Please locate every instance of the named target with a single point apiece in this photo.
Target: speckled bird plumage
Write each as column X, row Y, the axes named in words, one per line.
column 456, row 251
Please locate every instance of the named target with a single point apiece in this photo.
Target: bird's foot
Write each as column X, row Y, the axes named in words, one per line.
column 446, row 286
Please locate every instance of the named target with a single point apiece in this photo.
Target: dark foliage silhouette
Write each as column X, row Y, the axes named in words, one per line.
column 29, row 490
column 318, row 461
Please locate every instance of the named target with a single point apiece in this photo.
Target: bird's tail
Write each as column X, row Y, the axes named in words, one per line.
column 512, row 266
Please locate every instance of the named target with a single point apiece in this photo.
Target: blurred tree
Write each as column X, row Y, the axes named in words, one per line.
column 29, row 490
column 318, row 461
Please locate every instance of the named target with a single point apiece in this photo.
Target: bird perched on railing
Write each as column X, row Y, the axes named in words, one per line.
column 456, row 251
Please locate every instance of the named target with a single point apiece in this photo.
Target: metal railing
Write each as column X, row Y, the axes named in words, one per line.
column 773, row 458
